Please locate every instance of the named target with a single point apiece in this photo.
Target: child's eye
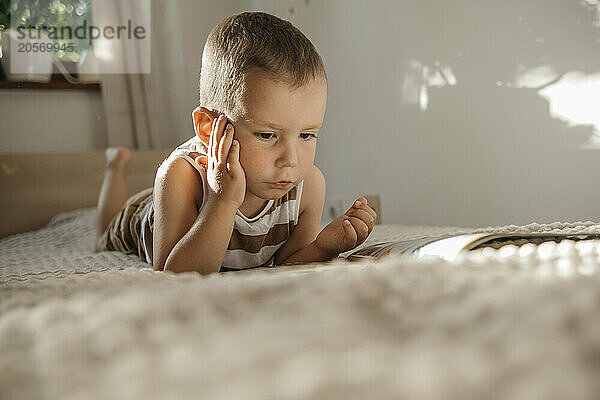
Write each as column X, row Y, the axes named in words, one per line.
column 265, row 135
column 307, row 136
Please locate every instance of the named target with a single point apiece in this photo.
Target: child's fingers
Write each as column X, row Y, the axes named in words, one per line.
column 234, row 155
column 213, row 144
column 225, row 145
column 223, row 122
column 211, row 140
column 214, row 123
column 363, row 215
column 202, row 160
column 218, row 133
column 370, row 211
column 216, row 136
column 361, row 203
column 349, row 231
column 362, row 230
column 354, row 205
column 362, row 200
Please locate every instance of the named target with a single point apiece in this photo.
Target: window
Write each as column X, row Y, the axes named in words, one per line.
column 45, row 32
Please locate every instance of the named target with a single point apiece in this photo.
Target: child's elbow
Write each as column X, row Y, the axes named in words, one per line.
column 179, row 268
column 169, row 267
column 160, row 261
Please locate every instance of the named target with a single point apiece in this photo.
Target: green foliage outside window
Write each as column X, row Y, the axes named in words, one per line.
column 41, row 14
column 4, row 14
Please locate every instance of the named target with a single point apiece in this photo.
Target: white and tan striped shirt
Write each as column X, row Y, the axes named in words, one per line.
column 254, row 241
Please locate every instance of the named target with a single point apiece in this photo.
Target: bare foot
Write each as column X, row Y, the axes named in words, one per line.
column 117, row 158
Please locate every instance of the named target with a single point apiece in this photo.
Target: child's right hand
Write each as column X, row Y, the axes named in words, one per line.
column 225, row 174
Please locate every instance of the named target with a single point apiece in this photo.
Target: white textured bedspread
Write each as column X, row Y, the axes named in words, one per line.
column 509, row 324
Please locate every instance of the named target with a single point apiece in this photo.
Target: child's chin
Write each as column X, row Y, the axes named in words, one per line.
column 266, row 192
column 272, row 194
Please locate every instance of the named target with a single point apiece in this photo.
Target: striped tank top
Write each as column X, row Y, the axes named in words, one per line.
column 254, row 241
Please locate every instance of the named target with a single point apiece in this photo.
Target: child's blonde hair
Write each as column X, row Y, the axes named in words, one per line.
column 254, row 42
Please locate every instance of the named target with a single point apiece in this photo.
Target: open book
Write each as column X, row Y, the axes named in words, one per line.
column 449, row 246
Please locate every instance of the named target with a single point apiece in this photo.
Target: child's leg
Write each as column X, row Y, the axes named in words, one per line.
column 113, row 194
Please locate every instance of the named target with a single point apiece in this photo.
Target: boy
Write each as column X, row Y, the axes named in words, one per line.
column 243, row 192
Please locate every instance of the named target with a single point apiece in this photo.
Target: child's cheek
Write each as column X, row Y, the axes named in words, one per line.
column 243, row 156
column 254, row 163
column 251, row 160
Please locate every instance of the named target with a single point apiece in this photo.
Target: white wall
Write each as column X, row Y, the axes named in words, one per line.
column 183, row 28
column 481, row 152
column 51, row 120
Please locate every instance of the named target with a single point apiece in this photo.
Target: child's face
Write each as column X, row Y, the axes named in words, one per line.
column 277, row 134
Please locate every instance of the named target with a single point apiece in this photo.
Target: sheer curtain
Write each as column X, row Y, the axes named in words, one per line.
column 139, row 106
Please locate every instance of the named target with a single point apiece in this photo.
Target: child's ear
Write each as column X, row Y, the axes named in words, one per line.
column 203, row 120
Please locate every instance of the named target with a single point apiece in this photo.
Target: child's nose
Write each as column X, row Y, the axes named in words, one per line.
column 288, row 157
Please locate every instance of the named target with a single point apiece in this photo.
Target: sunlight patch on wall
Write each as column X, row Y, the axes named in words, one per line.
column 591, row 5
column 418, row 77
column 535, row 77
column 573, row 97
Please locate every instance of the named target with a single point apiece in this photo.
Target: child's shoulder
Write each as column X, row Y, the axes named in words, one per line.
column 313, row 190
column 314, row 178
column 176, row 176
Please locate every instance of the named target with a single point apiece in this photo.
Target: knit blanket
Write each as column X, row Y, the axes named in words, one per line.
column 514, row 323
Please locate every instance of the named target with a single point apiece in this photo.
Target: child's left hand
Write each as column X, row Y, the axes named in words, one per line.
column 348, row 230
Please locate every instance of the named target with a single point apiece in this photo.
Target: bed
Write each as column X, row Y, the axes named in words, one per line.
column 512, row 323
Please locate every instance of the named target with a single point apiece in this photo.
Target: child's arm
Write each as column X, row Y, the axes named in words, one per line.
column 184, row 241
column 306, row 246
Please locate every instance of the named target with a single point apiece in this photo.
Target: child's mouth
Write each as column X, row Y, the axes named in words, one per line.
column 281, row 184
